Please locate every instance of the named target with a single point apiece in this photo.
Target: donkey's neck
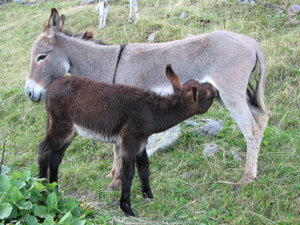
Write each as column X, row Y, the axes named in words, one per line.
column 168, row 111
column 86, row 58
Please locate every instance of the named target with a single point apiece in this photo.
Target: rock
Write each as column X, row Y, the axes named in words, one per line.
column 295, row 8
column 86, row 2
column 190, row 35
column 235, row 155
column 293, row 21
column 192, row 123
column 19, row 1
column 211, row 129
column 210, row 150
column 269, row 5
column 247, row 1
column 183, row 15
column 152, row 36
column 163, row 140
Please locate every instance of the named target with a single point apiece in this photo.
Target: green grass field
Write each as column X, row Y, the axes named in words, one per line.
column 206, row 197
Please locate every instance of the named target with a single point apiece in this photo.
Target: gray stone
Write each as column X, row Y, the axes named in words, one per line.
column 210, row 129
column 19, row 1
column 210, row 150
column 152, row 36
column 247, row 1
column 86, row 2
column 190, row 35
column 183, row 15
column 163, row 140
column 295, row 8
column 235, row 155
column 192, row 123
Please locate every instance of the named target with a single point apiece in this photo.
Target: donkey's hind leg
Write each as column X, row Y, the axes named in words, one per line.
column 252, row 131
column 115, row 171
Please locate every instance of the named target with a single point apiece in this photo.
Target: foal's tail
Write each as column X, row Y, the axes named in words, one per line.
column 258, row 97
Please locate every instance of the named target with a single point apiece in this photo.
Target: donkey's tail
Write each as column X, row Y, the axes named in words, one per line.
column 258, row 97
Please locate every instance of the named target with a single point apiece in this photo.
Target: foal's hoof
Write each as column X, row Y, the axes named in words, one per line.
column 127, row 209
column 115, row 184
column 148, row 195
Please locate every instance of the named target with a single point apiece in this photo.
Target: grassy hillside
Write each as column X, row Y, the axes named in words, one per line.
column 205, row 195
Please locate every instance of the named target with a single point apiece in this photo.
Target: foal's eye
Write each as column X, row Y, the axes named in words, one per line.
column 41, row 57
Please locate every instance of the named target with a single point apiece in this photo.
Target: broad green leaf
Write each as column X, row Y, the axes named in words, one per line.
column 38, row 186
column 52, row 201
column 51, row 186
column 48, row 221
column 5, row 210
column 31, row 220
column 66, row 219
column 25, row 176
column 15, row 194
column 18, row 184
column 4, row 169
column 4, row 183
column 78, row 222
column 41, row 211
column 24, row 205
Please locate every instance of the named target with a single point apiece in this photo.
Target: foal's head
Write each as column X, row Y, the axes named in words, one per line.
column 199, row 96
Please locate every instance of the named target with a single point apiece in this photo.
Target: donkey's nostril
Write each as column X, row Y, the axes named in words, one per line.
column 29, row 94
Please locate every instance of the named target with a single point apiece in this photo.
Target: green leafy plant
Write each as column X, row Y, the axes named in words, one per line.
column 28, row 200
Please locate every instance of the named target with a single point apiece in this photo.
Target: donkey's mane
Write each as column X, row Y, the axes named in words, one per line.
column 86, row 36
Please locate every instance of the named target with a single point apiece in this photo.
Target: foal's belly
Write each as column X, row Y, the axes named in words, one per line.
column 90, row 134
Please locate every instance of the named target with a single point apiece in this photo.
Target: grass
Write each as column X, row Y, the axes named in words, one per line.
column 205, row 196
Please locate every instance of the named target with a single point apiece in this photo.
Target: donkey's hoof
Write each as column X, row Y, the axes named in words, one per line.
column 109, row 176
column 114, row 184
column 246, row 180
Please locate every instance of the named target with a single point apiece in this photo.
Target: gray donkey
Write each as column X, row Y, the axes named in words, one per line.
column 225, row 59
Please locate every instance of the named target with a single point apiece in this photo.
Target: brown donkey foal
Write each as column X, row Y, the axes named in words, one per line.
column 119, row 114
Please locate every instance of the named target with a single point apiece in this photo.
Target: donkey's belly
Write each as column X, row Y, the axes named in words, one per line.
column 90, row 134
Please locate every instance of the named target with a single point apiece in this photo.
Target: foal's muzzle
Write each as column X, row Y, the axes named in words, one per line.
column 34, row 91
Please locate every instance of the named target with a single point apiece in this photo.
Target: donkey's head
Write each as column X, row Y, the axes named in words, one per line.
column 199, row 96
column 48, row 61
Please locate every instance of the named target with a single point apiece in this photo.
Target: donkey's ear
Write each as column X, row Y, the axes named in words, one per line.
column 173, row 78
column 61, row 22
column 53, row 23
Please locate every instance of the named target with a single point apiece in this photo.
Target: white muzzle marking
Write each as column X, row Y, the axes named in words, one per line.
column 34, row 91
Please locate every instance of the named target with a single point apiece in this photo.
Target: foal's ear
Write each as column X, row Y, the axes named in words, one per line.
column 193, row 94
column 53, row 23
column 173, row 78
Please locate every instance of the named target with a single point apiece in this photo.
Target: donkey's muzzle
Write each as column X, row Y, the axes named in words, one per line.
column 34, row 91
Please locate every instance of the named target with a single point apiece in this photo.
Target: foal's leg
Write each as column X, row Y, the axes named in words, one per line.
column 142, row 164
column 129, row 149
column 56, row 158
column 52, row 148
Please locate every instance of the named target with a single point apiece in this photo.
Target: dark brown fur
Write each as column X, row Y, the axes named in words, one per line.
column 125, row 112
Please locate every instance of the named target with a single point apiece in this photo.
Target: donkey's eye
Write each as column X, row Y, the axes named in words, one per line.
column 41, row 57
